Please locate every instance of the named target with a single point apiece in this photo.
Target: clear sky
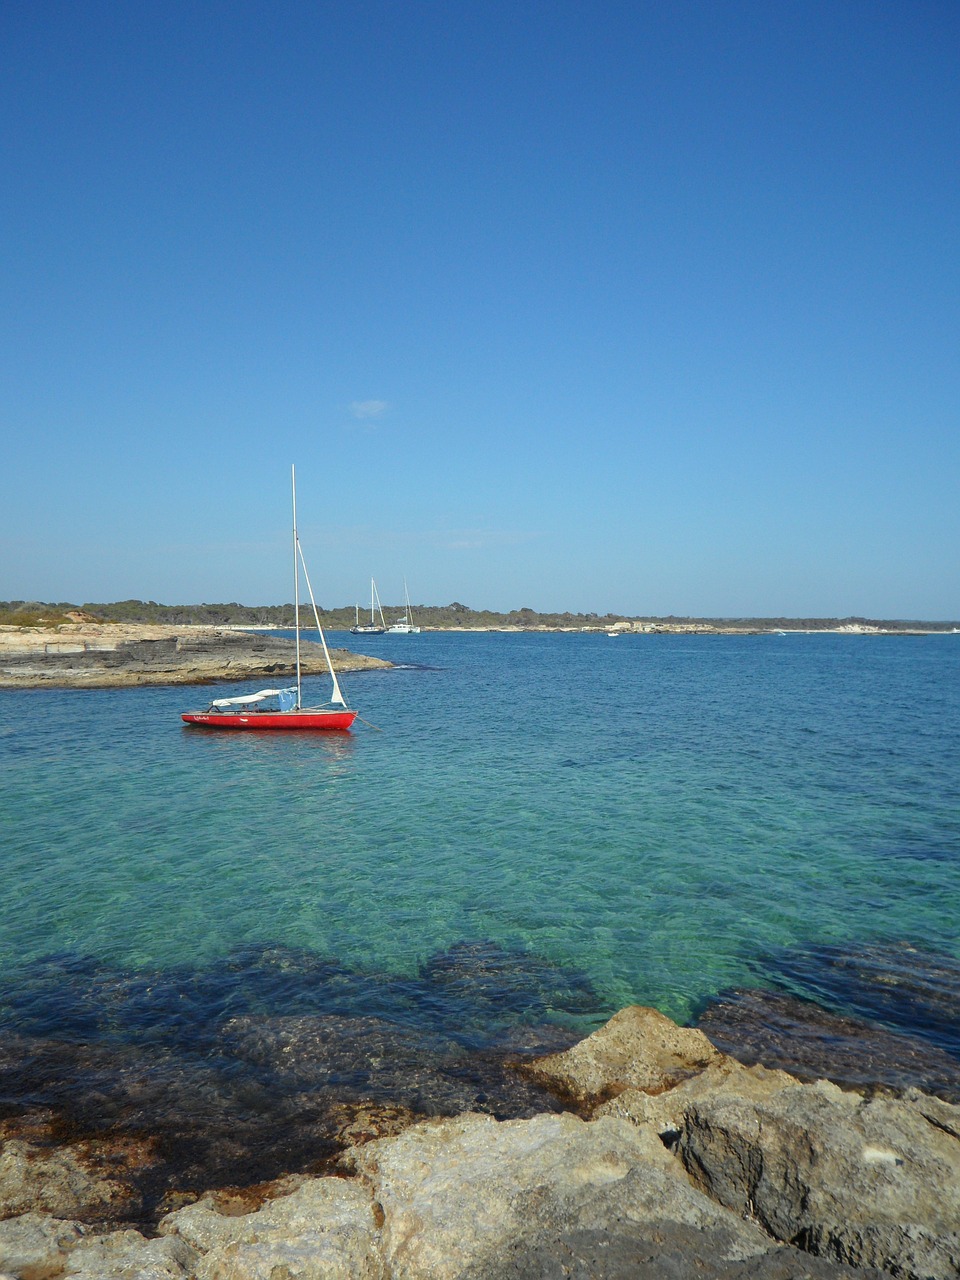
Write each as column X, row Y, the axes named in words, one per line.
column 648, row 306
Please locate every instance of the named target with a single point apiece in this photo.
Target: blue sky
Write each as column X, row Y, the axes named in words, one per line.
column 640, row 307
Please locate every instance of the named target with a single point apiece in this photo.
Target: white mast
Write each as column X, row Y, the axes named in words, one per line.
column 336, row 696
column 298, row 560
column 375, row 595
column 296, row 575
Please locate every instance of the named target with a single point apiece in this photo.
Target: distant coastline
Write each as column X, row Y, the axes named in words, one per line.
column 451, row 617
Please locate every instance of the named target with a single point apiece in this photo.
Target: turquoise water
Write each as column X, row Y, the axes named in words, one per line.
column 659, row 813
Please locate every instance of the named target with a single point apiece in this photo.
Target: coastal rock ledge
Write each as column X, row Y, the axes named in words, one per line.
column 110, row 655
column 681, row 1163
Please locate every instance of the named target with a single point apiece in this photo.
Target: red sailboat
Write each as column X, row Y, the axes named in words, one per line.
column 281, row 708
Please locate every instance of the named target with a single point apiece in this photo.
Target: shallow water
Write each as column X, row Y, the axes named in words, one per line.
column 238, row 951
column 655, row 814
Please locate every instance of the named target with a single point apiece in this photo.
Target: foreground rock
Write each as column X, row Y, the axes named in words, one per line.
column 690, row 1164
column 105, row 655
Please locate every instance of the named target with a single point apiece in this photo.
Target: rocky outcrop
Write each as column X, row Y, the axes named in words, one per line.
column 638, row 1048
column 92, row 656
column 866, row 1182
column 686, row 1163
column 463, row 1195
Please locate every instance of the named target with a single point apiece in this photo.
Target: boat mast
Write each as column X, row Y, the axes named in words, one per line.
column 296, row 574
column 298, row 560
column 376, row 596
column 337, row 695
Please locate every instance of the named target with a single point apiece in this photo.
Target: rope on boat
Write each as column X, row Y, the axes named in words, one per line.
column 369, row 725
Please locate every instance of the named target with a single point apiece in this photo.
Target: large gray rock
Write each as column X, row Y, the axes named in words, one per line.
column 126, row 1255
column 870, row 1183
column 327, row 1229
column 457, row 1196
column 866, row 1182
column 668, row 1251
column 36, row 1244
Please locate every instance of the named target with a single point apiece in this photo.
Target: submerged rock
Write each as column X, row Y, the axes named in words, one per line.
column 799, row 1036
column 253, row 1066
column 491, row 983
column 897, row 985
column 368, row 1058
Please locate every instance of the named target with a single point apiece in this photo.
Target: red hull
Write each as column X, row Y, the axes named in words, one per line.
column 270, row 719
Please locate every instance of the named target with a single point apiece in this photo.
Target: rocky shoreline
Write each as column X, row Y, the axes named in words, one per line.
column 670, row 1159
column 113, row 655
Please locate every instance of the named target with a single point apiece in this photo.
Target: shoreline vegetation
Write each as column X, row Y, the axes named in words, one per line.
column 451, row 617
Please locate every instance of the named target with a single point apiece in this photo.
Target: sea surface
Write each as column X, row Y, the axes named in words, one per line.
column 658, row 813
column 521, row 829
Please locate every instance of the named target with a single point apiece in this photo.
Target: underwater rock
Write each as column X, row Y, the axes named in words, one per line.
column 896, row 984
column 257, row 1064
column 493, row 984
column 369, row 1059
column 779, row 1030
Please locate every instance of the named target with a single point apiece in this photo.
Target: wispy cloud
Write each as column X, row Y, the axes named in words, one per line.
column 368, row 410
column 435, row 539
column 478, row 539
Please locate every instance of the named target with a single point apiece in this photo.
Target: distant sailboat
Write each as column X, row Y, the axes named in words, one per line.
column 404, row 625
column 281, row 708
column 371, row 629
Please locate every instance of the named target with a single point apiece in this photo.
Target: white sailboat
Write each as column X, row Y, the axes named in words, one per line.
column 371, row 628
column 404, row 625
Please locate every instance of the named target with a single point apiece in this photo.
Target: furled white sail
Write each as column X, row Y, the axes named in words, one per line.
column 250, row 698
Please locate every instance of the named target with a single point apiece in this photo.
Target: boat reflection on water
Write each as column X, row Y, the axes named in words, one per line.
column 333, row 749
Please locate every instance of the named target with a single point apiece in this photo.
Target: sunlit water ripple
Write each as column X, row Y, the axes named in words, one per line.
column 657, row 813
